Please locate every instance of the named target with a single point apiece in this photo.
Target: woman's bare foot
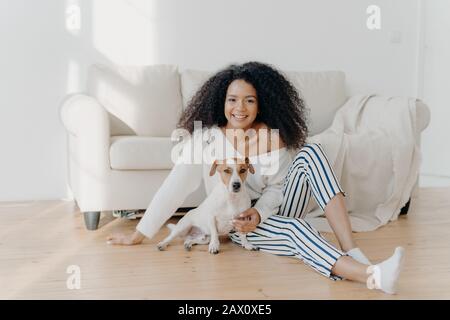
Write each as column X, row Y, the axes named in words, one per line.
column 125, row 240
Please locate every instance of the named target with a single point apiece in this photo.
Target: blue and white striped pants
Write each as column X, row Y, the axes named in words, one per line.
column 288, row 234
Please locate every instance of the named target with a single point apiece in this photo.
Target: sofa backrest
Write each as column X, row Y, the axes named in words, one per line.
column 141, row 100
column 323, row 93
column 148, row 100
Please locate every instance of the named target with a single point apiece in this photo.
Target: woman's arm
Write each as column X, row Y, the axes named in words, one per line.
column 271, row 199
column 274, row 175
column 272, row 195
column 267, row 205
column 182, row 180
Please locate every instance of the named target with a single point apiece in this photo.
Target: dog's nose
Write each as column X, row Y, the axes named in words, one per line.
column 236, row 186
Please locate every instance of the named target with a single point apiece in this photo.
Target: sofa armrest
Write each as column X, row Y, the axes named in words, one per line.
column 87, row 121
column 78, row 109
column 423, row 115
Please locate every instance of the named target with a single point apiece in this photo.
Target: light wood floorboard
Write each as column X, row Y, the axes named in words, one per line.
column 39, row 240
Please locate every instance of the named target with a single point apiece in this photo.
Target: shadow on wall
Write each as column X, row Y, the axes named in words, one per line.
column 109, row 32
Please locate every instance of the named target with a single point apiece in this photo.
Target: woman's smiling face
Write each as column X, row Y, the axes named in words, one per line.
column 241, row 105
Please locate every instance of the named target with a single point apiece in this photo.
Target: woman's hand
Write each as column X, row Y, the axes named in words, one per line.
column 126, row 240
column 247, row 221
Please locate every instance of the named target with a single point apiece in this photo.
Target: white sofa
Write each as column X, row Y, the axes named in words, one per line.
column 119, row 143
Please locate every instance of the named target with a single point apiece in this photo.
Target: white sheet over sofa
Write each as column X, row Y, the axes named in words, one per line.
column 373, row 147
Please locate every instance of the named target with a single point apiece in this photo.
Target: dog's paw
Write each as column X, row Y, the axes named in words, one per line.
column 187, row 246
column 161, row 246
column 213, row 248
column 251, row 247
column 213, row 251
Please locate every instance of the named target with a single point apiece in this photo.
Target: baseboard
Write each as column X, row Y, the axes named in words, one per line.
column 427, row 181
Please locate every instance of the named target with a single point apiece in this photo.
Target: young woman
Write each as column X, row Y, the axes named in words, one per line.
column 255, row 96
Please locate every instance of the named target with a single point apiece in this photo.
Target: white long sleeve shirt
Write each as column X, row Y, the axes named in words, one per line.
column 186, row 176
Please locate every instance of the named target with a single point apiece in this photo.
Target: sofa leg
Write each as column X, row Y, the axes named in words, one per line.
column 405, row 208
column 91, row 219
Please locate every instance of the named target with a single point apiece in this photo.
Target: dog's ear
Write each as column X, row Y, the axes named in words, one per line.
column 249, row 165
column 213, row 168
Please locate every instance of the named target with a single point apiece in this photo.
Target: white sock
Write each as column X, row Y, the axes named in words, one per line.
column 384, row 275
column 358, row 255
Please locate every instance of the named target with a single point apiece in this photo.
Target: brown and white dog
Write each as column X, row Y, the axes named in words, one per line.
column 213, row 217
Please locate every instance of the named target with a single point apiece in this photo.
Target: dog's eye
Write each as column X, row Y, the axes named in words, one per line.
column 227, row 170
column 242, row 170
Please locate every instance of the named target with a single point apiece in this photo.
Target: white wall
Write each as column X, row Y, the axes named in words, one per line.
column 32, row 80
column 43, row 62
column 300, row 35
column 435, row 90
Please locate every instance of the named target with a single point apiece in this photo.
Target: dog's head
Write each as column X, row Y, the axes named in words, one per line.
column 233, row 172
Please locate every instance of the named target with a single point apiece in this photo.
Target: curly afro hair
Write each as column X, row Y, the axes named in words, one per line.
column 279, row 104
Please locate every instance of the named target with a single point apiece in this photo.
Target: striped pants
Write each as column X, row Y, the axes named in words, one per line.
column 288, row 234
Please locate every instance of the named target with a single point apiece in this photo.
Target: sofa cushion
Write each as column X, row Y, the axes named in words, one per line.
column 323, row 93
column 142, row 100
column 140, row 153
column 191, row 81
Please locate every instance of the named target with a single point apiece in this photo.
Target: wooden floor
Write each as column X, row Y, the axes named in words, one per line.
column 40, row 240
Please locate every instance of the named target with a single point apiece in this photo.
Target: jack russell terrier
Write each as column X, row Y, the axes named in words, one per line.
column 213, row 217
